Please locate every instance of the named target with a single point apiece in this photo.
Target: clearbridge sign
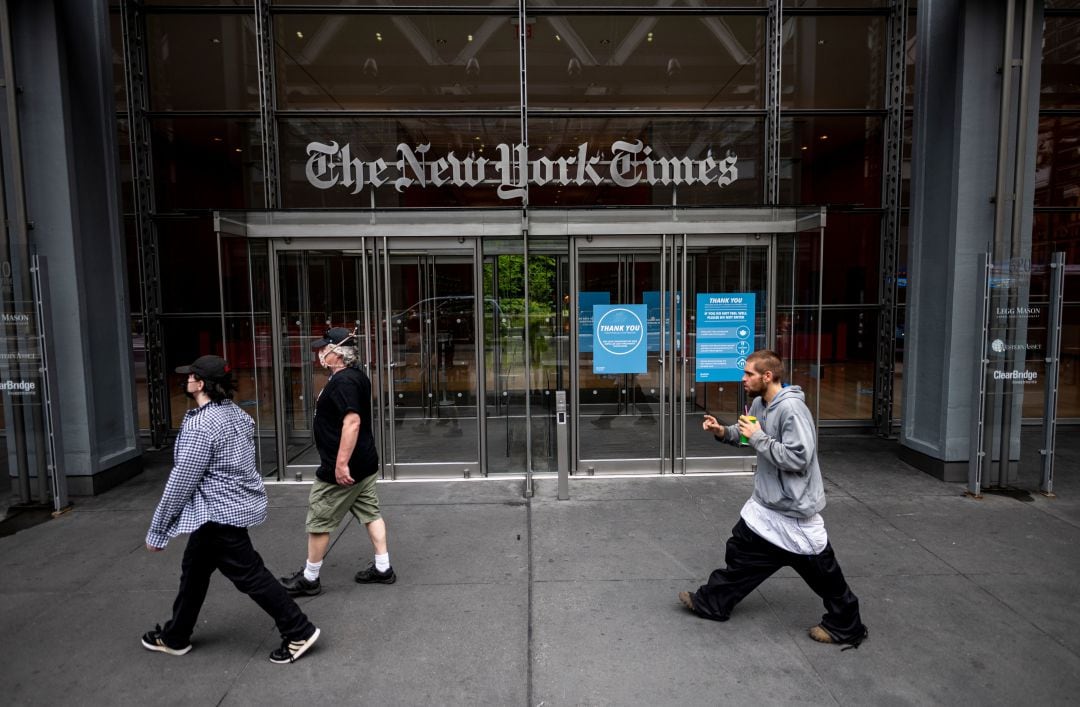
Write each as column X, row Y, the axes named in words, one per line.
column 332, row 165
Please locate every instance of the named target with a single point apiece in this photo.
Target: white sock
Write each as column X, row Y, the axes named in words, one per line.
column 382, row 562
column 311, row 570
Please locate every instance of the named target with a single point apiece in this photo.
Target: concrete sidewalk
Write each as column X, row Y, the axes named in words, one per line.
column 504, row 601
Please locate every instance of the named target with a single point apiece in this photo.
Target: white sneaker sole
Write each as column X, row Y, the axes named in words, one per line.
column 301, row 651
column 165, row 649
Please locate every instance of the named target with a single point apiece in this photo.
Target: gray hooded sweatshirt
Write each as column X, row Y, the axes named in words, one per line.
column 788, row 479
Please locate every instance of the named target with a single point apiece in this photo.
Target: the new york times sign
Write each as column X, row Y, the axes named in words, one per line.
column 332, row 165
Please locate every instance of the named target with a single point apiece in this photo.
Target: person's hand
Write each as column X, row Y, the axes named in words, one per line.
column 342, row 475
column 747, row 428
column 151, row 548
column 709, row 424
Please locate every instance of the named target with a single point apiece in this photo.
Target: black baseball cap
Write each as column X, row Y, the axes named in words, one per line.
column 337, row 336
column 208, row 367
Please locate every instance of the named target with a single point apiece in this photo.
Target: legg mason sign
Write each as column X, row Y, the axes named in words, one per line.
column 332, row 165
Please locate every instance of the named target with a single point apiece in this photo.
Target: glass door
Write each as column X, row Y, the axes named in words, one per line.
column 649, row 420
column 704, row 266
column 316, row 289
column 431, row 329
column 621, row 417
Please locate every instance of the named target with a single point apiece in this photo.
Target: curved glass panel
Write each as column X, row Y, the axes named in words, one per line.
column 625, row 61
column 364, row 62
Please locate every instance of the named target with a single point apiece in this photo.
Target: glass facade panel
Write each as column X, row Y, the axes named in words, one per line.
column 138, row 351
column 444, row 88
column 202, row 62
column 365, row 62
column 398, row 3
column 818, row 50
column 683, row 144
column 852, row 258
column 1054, row 232
column 1069, row 377
column 831, row 159
column 188, row 263
column 116, row 37
column 626, row 61
column 373, row 139
column 1057, row 161
column 1060, row 62
column 834, row 4
column 541, row 4
column 185, row 338
column 848, row 344
column 205, row 3
column 123, row 145
column 207, row 163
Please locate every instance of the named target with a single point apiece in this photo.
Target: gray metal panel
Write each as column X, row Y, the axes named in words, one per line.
column 509, row 224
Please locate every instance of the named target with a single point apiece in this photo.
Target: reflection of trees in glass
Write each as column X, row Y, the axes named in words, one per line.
column 510, row 289
column 509, row 293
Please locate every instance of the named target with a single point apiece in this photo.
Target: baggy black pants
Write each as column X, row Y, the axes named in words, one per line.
column 751, row 560
column 228, row 549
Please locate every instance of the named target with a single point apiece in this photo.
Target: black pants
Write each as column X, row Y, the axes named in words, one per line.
column 228, row 548
column 751, row 560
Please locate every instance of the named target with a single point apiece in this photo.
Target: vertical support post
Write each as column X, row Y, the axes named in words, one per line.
column 890, row 245
column 264, row 41
column 523, row 96
column 981, row 437
column 54, row 440
column 138, row 98
column 1053, row 372
column 561, row 447
column 774, row 28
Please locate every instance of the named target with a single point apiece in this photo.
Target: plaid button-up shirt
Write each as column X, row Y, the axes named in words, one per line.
column 214, row 476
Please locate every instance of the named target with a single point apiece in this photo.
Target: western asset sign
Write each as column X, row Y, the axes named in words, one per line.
column 332, row 165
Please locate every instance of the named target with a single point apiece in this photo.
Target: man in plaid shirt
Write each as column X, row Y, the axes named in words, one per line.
column 215, row 493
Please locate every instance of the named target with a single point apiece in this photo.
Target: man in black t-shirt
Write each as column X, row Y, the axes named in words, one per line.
column 348, row 466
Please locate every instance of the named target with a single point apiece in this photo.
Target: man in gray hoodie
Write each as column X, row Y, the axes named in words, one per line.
column 780, row 524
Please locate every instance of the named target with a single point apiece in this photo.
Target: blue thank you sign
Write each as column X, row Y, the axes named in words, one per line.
column 725, row 335
column 619, row 334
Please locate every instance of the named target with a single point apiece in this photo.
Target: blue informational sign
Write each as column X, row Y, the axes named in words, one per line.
column 725, row 335
column 651, row 299
column 619, row 332
column 586, row 301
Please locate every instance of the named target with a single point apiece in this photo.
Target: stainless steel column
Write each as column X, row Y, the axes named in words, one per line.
column 562, row 447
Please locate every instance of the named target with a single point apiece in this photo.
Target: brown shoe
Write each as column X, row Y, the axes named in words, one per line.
column 686, row 600
column 820, row 635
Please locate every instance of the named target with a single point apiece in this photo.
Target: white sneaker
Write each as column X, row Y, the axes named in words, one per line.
column 291, row 651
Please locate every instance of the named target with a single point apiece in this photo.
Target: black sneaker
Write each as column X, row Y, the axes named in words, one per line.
column 374, row 576
column 291, row 651
column 153, row 641
column 298, row 585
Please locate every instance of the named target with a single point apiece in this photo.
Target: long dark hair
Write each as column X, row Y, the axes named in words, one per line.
column 219, row 389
